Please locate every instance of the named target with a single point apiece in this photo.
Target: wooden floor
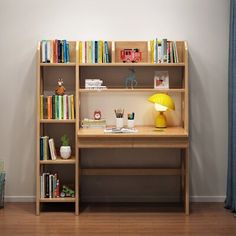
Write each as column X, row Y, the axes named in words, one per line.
column 205, row 219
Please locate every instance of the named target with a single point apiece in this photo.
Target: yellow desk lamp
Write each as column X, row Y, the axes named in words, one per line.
column 162, row 103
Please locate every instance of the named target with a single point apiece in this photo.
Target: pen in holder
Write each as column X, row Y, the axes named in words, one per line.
column 119, row 118
column 130, row 123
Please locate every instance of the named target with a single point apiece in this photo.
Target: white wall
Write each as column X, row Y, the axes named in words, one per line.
column 203, row 23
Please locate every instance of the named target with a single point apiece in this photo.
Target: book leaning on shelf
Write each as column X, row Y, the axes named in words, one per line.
column 60, row 107
column 163, row 51
column 49, row 186
column 94, row 52
column 55, row 51
column 47, row 149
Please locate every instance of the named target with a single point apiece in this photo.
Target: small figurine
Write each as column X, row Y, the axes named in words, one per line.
column 60, row 90
column 97, row 115
column 67, row 192
column 131, row 79
column 131, row 55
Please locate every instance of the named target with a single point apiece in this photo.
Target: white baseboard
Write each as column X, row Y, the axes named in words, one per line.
column 19, row 198
column 125, row 199
column 207, row 198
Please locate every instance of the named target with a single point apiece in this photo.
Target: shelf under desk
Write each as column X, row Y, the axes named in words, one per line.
column 146, row 137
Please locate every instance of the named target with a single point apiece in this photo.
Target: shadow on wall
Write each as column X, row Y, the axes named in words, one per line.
column 21, row 176
column 202, row 149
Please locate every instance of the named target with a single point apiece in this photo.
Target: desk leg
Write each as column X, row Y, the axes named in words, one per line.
column 77, row 182
column 182, row 182
column 187, row 181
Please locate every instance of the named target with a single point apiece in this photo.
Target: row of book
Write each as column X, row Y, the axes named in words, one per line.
column 57, row 107
column 49, row 186
column 55, row 51
column 163, row 51
column 94, row 52
column 47, row 149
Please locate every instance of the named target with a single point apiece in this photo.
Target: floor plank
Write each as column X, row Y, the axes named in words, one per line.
column 118, row 219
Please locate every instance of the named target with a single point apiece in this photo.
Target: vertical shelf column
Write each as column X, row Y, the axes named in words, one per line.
column 38, row 132
column 77, row 175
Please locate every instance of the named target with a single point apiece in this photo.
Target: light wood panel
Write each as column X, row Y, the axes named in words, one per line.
column 181, row 64
column 59, row 199
column 135, row 90
column 59, row 160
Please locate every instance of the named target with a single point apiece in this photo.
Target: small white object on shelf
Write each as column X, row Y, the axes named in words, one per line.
column 123, row 130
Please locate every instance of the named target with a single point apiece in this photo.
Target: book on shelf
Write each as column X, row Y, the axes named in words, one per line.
column 91, row 123
column 94, row 52
column 57, row 107
column 163, row 51
column 55, row 51
column 49, row 185
column 47, row 149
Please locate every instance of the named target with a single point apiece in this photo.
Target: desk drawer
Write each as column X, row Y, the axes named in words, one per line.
column 105, row 142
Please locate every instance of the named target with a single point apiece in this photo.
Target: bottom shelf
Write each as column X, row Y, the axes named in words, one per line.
column 60, row 199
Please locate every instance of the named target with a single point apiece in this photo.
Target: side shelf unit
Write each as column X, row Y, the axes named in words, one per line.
column 67, row 170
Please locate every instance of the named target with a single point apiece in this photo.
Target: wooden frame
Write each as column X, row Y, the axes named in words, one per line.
column 145, row 138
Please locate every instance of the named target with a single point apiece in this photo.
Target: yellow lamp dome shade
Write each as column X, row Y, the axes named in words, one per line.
column 162, row 101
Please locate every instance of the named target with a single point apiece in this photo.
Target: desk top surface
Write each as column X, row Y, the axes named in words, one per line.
column 143, row 131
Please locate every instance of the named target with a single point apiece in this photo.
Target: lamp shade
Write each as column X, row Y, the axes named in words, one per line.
column 163, row 99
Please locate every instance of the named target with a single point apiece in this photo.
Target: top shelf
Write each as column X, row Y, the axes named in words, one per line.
column 133, row 64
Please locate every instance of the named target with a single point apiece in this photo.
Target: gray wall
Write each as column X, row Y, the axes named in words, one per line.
column 203, row 23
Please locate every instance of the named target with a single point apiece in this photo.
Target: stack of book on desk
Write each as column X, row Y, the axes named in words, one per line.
column 91, row 123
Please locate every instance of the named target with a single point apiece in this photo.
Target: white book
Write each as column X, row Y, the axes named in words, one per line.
column 48, row 50
column 41, row 187
column 50, row 186
column 65, row 101
column 52, row 148
column 43, row 51
column 176, row 52
column 60, row 107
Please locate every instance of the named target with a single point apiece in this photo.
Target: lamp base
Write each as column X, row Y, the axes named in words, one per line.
column 161, row 120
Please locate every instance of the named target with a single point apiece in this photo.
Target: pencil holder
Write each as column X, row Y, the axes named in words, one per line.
column 130, row 124
column 119, row 123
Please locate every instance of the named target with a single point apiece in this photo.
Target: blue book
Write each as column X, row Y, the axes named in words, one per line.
column 156, row 59
column 64, row 49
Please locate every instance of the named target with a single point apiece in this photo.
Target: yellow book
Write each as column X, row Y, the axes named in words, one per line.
column 80, row 51
column 41, row 107
column 100, row 52
column 72, row 107
column 152, row 51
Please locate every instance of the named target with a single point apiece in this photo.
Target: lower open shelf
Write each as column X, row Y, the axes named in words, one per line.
column 66, row 199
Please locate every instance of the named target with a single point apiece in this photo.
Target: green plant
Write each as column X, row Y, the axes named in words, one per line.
column 65, row 140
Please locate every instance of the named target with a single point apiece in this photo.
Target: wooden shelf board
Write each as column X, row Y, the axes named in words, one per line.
column 143, row 132
column 57, row 121
column 131, row 90
column 59, row 161
column 133, row 64
column 133, row 171
column 58, row 64
column 66, row 199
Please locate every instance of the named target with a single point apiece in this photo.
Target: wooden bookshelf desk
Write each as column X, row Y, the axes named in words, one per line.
column 146, row 137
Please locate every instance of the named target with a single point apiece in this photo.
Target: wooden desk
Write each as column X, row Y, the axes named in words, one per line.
column 146, row 137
